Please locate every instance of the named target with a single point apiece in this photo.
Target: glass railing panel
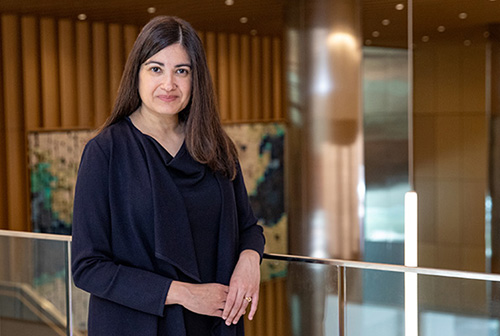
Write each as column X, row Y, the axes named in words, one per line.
column 33, row 286
column 296, row 299
column 446, row 303
column 458, row 307
column 299, row 296
column 80, row 308
column 374, row 302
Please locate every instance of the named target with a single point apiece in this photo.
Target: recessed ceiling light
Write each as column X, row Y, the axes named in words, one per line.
column 368, row 42
column 400, row 6
column 486, row 34
column 467, row 43
column 229, row 2
column 441, row 29
column 151, row 10
column 386, row 22
column 462, row 16
column 243, row 19
column 425, row 38
column 253, row 32
column 375, row 33
column 82, row 17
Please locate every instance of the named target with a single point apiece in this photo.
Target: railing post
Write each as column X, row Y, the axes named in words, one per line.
column 69, row 292
column 341, row 281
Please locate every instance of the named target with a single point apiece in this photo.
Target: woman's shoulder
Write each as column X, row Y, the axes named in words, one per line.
column 118, row 129
column 108, row 138
column 115, row 132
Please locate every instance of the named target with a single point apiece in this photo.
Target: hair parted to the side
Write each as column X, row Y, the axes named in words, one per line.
column 206, row 140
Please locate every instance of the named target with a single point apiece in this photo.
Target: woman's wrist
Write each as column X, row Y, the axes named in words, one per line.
column 177, row 293
column 250, row 254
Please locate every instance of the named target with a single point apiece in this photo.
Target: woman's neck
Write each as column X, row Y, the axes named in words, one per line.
column 167, row 130
column 157, row 124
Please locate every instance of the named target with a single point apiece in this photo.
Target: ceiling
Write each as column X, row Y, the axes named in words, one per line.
column 206, row 15
column 432, row 20
column 266, row 17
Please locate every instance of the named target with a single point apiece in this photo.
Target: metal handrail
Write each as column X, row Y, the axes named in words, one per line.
column 311, row 260
column 35, row 235
column 385, row 267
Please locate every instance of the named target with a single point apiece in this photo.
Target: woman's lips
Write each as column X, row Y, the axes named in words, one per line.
column 167, row 98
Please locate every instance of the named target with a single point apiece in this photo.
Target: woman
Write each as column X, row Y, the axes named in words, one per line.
column 164, row 238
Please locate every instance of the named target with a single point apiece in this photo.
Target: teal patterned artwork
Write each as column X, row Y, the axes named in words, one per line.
column 261, row 152
column 53, row 164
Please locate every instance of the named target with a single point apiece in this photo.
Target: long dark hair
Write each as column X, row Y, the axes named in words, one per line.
column 206, row 140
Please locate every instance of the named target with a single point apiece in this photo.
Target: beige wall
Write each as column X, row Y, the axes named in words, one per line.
column 60, row 74
column 451, row 139
column 451, row 153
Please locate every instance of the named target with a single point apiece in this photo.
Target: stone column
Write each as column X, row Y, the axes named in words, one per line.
column 325, row 146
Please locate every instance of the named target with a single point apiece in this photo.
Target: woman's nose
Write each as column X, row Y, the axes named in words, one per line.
column 169, row 83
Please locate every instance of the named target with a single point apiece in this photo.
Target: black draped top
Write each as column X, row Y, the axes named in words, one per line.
column 201, row 194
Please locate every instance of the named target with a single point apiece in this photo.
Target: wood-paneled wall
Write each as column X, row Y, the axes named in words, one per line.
column 60, row 74
column 273, row 315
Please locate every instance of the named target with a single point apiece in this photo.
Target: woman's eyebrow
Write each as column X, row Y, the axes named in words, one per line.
column 156, row 62
column 162, row 64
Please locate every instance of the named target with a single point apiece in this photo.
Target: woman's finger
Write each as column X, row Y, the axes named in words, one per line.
column 242, row 310
column 253, row 308
column 233, row 313
column 228, row 305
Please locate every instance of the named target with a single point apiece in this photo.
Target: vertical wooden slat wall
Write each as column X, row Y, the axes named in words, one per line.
column 277, row 94
column 266, row 78
column 130, row 33
column 273, row 317
column 116, row 57
column 31, row 72
column 50, row 73
column 222, row 78
column 248, row 75
column 234, row 76
column 100, row 62
column 84, row 92
column 211, row 50
column 15, row 146
column 244, row 79
column 65, row 74
column 255, row 79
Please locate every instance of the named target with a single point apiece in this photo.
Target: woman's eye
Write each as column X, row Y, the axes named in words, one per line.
column 156, row 69
column 183, row 72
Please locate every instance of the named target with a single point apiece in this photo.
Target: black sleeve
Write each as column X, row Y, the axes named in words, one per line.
column 93, row 266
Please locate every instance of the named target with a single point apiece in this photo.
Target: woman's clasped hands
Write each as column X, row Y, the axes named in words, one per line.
column 228, row 302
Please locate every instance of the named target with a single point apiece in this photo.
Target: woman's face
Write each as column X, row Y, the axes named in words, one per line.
column 165, row 81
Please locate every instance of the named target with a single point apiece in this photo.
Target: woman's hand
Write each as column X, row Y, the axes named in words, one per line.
column 243, row 288
column 205, row 299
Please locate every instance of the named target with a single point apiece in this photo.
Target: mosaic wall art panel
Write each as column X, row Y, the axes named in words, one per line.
column 261, row 148
column 53, row 162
